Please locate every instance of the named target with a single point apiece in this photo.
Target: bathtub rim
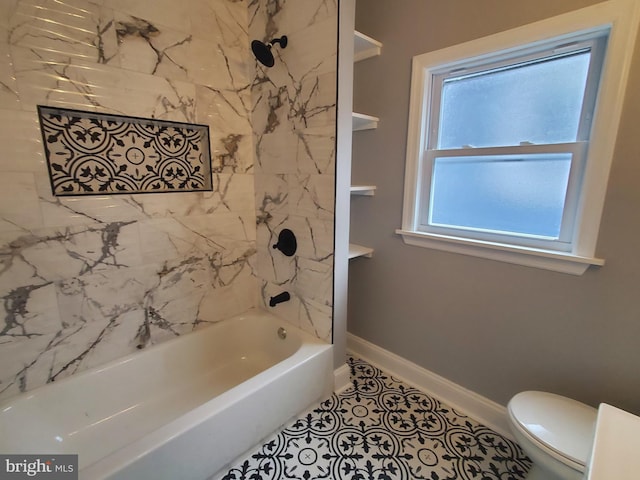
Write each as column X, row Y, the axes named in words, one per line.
column 122, row 458
column 128, row 454
column 253, row 312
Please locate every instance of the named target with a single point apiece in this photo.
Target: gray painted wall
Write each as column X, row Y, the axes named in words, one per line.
column 492, row 327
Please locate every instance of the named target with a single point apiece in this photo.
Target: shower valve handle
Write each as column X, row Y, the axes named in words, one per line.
column 287, row 242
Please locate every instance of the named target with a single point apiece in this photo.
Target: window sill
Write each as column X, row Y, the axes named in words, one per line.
column 530, row 257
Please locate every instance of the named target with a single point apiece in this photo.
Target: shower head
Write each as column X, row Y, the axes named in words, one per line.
column 262, row 51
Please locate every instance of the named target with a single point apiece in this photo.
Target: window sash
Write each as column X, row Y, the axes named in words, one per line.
column 596, row 45
column 578, row 150
column 564, row 241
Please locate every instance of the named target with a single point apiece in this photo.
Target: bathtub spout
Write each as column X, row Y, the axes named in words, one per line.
column 282, row 297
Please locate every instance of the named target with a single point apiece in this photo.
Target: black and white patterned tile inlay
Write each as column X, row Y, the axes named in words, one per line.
column 96, row 153
column 383, row 429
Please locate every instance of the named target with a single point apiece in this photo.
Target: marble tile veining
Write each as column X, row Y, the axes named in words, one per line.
column 382, row 428
column 293, row 120
column 87, row 279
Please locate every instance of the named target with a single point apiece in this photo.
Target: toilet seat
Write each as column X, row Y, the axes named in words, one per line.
column 562, row 427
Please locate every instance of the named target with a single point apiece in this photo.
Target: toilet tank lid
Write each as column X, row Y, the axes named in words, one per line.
column 562, row 424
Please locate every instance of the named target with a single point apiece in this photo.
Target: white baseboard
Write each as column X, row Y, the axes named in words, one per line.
column 341, row 378
column 465, row 401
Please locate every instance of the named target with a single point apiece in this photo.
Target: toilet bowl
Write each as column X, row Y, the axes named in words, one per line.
column 555, row 432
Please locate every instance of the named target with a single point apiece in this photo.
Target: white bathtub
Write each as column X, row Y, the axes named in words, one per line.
column 182, row 409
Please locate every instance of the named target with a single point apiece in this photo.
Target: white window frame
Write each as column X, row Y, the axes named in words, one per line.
column 621, row 18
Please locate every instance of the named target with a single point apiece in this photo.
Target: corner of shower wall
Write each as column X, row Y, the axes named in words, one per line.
column 85, row 280
column 294, row 133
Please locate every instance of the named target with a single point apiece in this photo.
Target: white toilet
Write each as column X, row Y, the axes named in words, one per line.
column 555, row 432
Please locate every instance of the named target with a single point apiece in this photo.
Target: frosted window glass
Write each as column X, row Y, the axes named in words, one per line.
column 519, row 195
column 536, row 102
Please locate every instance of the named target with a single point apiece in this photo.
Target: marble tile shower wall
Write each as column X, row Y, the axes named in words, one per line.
column 84, row 280
column 294, row 128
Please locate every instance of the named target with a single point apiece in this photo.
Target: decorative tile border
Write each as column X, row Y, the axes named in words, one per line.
column 92, row 153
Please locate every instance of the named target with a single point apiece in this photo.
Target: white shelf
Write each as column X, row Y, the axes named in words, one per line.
column 365, row 47
column 359, row 251
column 368, row 190
column 360, row 121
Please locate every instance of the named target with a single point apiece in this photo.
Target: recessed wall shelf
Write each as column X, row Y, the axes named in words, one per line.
column 360, row 121
column 365, row 47
column 368, row 190
column 359, row 251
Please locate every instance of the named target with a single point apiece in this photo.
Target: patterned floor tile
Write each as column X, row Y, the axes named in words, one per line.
column 382, row 429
